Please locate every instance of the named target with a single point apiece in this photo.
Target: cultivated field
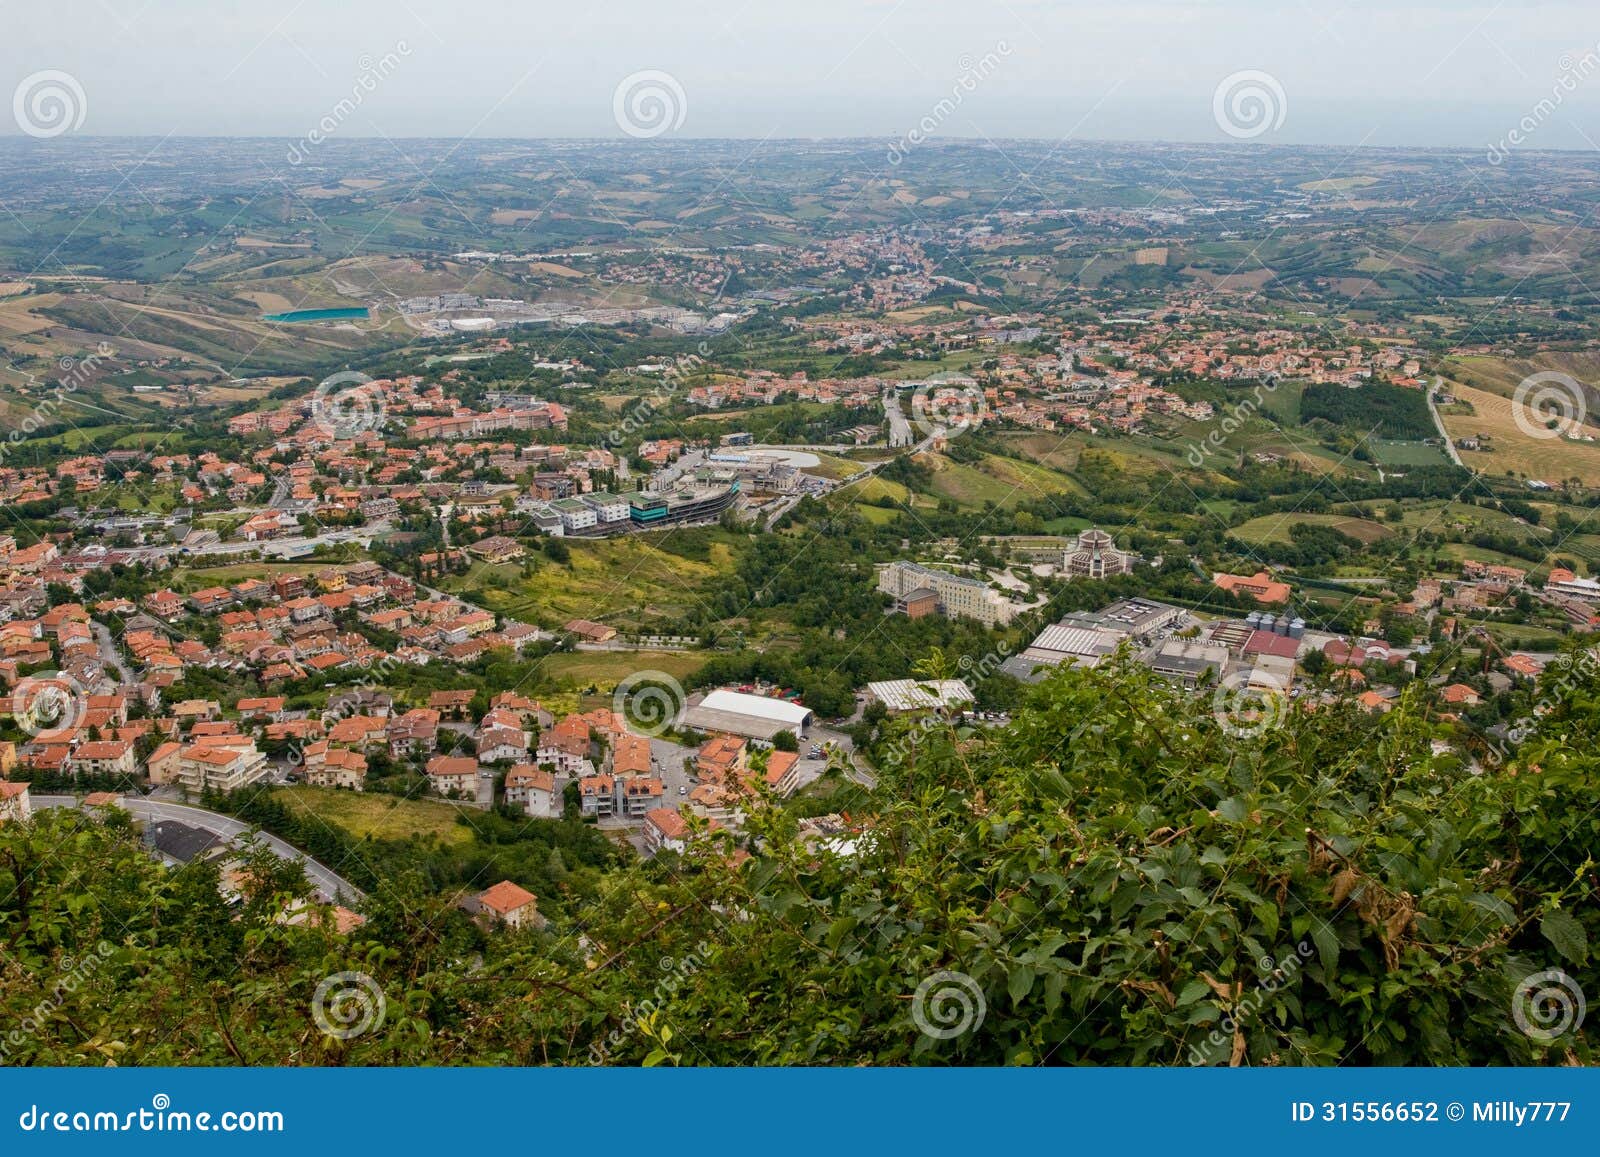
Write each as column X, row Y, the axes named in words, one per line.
column 1275, row 527
column 1513, row 451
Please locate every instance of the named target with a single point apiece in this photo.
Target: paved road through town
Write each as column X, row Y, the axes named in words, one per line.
column 328, row 883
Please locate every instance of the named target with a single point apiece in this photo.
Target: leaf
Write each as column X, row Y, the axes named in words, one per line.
column 1232, row 809
column 1267, row 916
column 1019, row 984
column 1343, row 884
column 1192, row 992
column 1566, row 935
column 1495, row 906
column 1327, row 942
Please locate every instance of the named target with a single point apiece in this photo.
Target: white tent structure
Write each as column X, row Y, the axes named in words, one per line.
column 751, row 716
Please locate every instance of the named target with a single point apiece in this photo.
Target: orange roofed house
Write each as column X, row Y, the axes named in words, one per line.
column 455, row 773
column 507, row 903
column 1260, row 586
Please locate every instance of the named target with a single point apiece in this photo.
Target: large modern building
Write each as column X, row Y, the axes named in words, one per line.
column 691, row 502
column 1096, row 556
column 1564, row 582
column 956, row 597
column 1141, row 619
column 901, row 696
column 757, row 717
column 1076, row 646
column 1186, row 662
column 599, row 514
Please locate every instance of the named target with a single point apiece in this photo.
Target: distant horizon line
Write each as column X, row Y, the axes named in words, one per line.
column 1241, row 146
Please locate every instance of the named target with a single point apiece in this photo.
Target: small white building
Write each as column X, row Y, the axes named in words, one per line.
column 609, row 507
column 15, row 802
column 575, row 514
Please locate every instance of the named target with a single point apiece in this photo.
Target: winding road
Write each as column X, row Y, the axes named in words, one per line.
column 329, row 885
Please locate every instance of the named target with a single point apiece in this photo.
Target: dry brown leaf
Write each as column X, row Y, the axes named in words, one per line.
column 1227, row 993
column 1343, row 884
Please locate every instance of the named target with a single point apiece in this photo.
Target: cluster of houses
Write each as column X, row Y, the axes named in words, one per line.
column 298, row 626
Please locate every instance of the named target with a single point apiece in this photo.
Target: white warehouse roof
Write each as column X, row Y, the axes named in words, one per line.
column 761, row 706
column 920, row 694
column 753, row 716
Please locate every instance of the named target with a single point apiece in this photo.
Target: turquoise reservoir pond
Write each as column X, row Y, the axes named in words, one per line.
column 295, row 315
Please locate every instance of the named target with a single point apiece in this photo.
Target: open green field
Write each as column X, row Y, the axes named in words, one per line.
column 221, row 576
column 969, row 486
column 1275, row 527
column 1406, row 453
column 1439, row 517
column 1002, row 481
column 1067, row 524
column 830, row 466
column 1031, row 476
column 604, row 669
column 384, row 817
column 625, row 582
column 877, row 515
column 1283, row 403
column 872, row 488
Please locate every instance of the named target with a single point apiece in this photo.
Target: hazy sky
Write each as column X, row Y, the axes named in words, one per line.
column 1455, row 72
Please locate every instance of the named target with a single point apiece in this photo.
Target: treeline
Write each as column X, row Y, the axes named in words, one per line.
column 1397, row 412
